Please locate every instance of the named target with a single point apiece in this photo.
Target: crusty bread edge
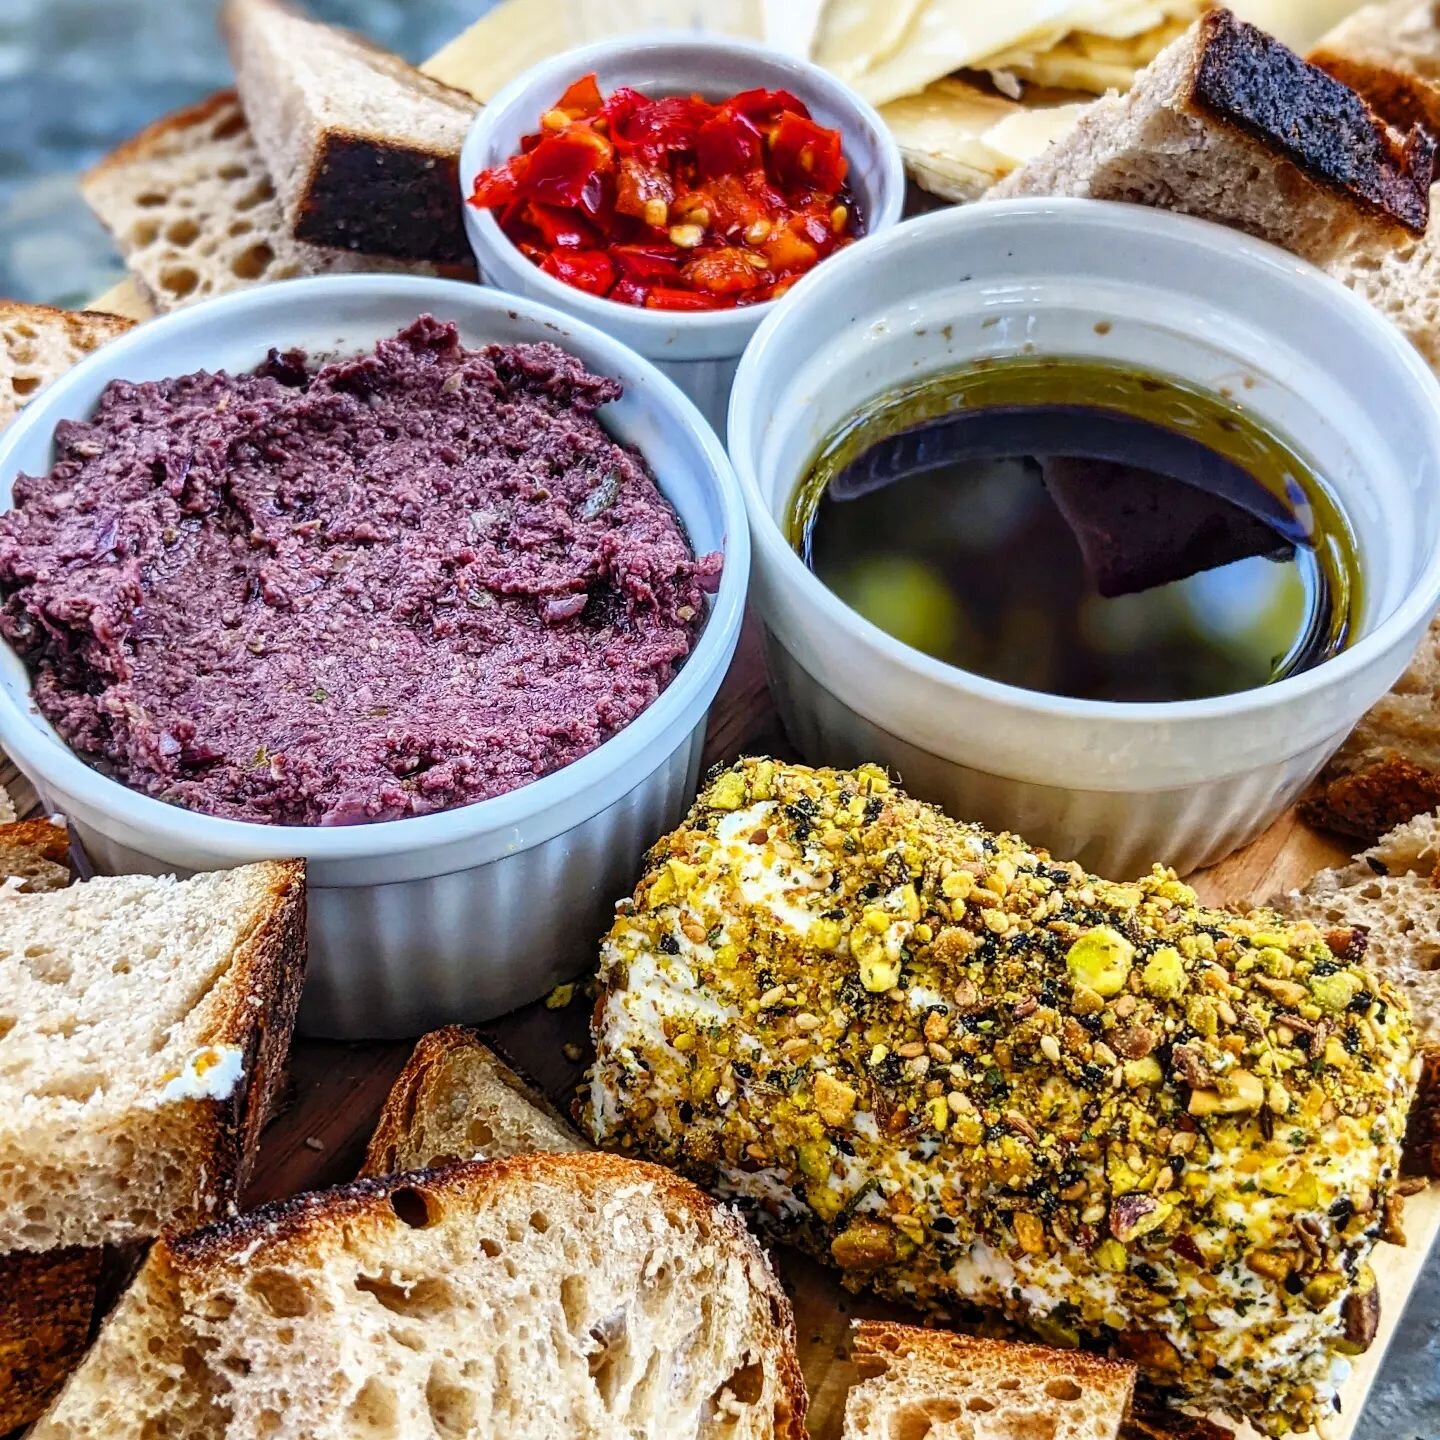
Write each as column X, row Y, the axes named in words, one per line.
column 50, row 840
column 1371, row 799
column 397, row 1115
column 1402, row 98
column 141, row 146
column 262, row 990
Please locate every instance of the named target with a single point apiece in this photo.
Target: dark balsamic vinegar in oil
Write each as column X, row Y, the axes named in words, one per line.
column 1082, row 529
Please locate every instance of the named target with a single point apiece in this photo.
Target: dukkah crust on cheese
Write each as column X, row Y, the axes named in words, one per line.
column 965, row 1072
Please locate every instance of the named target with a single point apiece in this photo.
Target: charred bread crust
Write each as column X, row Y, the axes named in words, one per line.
column 402, row 1105
column 1368, row 802
column 1152, row 1418
column 364, row 194
column 1422, row 1139
column 268, row 976
column 47, row 1309
column 1403, row 99
column 1249, row 80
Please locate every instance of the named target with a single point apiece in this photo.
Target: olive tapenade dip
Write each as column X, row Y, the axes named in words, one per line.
column 375, row 588
column 968, row 1073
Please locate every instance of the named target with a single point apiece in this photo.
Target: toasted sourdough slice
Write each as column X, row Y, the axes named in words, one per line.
column 39, row 343
column 946, row 1386
column 146, row 1026
column 364, row 149
column 457, row 1100
column 1390, row 54
column 1229, row 125
column 195, row 214
column 1393, row 891
column 47, row 1299
column 587, row 1296
column 1388, row 770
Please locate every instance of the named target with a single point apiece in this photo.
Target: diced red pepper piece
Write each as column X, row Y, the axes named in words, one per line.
column 662, row 297
column 727, row 144
column 726, row 271
column 629, row 292
column 647, row 262
column 582, row 98
column 766, row 105
column 637, row 184
column 560, row 229
column 661, row 127
column 808, row 154
column 735, row 205
column 563, row 164
column 589, row 270
column 787, row 251
column 499, row 185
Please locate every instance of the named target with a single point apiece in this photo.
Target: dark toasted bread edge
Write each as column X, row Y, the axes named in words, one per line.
column 47, row 1311
column 1247, row 79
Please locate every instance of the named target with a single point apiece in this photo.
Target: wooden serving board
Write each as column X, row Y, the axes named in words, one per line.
column 337, row 1090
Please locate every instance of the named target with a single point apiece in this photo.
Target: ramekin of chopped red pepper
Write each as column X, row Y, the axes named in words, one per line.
column 675, row 202
column 666, row 189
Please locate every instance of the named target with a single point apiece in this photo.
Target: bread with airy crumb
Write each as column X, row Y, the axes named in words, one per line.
column 1230, row 125
column 457, row 1100
column 1390, row 54
column 584, row 1296
column 193, row 210
column 146, row 1023
column 364, row 149
column 39, row 343
column 947, row 1386
column 1392, row 892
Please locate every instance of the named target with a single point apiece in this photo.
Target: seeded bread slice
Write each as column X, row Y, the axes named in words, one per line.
column 587, row 1296
column 1393, row 891
column 146, row 1023
column 955, row 1387
column 1389, row 768
column 38, row 344
column 1390, row 54
column 195, row 214
column 1229, row 125
column 457, row 1100
column 364, row 149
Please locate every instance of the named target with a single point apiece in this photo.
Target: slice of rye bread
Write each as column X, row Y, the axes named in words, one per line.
column 1229, row 125
column 194, row 213
column 955, row 1387
column 1390, row 54
column 579, row 1295
column 457, row 1100
column 364, row 149
column 1392, row 891
column 1388, row 770
column 146, row 1022
column 38, row 344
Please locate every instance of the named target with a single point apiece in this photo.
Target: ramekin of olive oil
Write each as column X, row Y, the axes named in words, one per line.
column 1082, row 529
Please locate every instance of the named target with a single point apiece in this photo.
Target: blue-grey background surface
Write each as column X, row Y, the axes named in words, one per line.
column 78, row 76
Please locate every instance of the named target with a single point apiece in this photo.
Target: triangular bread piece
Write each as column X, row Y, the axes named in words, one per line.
column 457, row 1100
column 39, row 343
column 364, row 149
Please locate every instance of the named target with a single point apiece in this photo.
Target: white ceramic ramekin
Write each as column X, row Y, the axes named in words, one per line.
column 464, row 914
column 699, row 351
column 1116, row 786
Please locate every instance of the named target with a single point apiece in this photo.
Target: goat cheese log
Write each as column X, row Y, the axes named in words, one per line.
column 968, row 1074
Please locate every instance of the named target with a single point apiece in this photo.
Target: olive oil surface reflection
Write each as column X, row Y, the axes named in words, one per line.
column 1081, row 529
